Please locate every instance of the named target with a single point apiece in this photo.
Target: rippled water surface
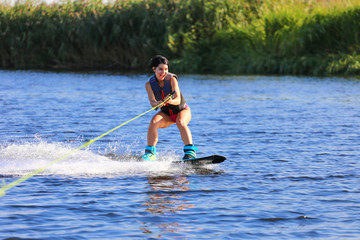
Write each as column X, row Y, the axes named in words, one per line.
column 292, row 171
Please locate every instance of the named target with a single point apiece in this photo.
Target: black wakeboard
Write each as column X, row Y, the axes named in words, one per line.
column 213, row 159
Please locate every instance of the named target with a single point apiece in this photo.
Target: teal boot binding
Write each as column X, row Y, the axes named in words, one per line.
column 150, row 153
column 190, row 151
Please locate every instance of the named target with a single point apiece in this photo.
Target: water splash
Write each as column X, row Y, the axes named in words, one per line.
column 20, row 159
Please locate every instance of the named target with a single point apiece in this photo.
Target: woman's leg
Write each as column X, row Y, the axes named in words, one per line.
column 182, row 122
column 160, row 120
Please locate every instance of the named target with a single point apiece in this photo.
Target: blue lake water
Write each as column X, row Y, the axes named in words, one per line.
column 292, row 171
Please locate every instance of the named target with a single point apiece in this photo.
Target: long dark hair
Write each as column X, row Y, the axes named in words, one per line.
column 158, row 59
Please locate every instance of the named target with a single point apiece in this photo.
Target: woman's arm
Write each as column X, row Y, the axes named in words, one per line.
column 176, row 100
column 151, row 95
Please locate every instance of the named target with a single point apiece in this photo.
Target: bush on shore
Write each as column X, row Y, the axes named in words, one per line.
column 312, row 37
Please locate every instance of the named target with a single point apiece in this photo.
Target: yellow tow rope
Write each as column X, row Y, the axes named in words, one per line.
column 6, row 187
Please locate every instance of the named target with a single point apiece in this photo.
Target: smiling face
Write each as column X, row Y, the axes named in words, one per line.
column 161, row 71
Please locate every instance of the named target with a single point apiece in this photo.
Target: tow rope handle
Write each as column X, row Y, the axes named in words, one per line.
column 165, row 100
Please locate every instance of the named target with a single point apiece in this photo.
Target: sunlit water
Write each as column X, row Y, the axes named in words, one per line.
column 292, row 171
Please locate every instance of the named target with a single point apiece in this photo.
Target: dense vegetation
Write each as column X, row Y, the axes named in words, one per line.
column 314, row 37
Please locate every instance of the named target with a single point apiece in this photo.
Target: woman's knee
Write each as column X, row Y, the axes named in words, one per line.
column 154, row 123
column 160, row 122
column 184, row 118
column 181, row 123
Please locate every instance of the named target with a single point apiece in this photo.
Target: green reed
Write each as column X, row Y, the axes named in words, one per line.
column 286, row 37
column 199, row 36
column 83, row 34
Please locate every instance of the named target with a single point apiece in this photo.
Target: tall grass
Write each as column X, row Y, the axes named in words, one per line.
column 286, row 37
column 199, row 36
column 83, row 34
column 306, row 37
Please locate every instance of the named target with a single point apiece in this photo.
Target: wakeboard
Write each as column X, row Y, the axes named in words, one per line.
column 213, row 159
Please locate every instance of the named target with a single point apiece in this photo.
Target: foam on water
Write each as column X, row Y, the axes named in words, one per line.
column 23, row 158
